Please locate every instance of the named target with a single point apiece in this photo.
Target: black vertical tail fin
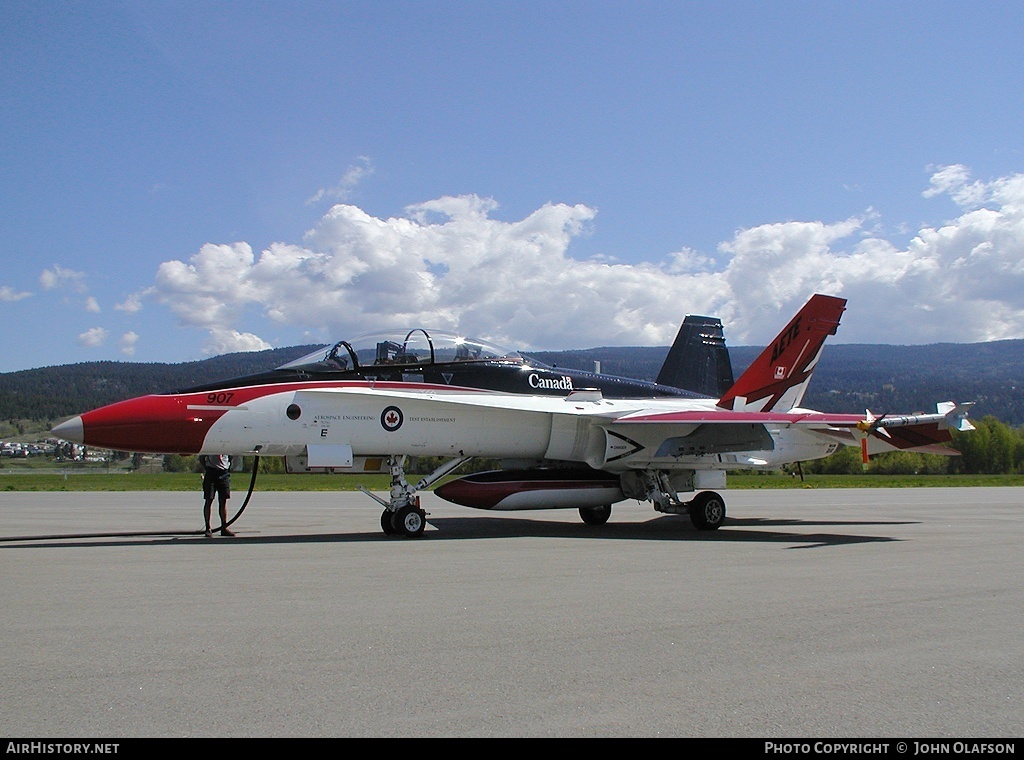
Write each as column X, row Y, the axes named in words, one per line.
column 698, row 361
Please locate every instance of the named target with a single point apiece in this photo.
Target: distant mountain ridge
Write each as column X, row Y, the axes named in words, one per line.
column 849, row 378
column 853, row 377
column 50, row 393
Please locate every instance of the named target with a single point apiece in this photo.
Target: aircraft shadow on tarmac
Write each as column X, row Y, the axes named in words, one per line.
column 662, row 528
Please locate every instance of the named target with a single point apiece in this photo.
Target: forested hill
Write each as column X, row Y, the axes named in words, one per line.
column 51, row 393
column 849, row 378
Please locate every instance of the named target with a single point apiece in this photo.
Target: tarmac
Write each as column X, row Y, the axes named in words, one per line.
column 850, row 613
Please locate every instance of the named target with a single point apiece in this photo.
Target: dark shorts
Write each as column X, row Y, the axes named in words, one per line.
column 216, row 484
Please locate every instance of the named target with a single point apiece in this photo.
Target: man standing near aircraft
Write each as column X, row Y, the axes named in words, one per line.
column 216, row 484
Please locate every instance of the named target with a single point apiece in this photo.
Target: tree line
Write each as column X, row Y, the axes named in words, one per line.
column 992, row 448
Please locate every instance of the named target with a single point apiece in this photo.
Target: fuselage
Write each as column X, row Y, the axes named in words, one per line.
column 192, row 420
column 382, row 418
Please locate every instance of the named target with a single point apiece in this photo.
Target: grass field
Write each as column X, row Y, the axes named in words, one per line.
column 13, row 479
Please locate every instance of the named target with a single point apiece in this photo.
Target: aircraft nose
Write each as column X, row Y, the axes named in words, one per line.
column 164, row 424
column 71, row 430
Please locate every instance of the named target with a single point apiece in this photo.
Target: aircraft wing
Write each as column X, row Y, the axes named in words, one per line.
column 920, row 432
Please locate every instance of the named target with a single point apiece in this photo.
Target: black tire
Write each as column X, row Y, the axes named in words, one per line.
column 387, row 523
column 707, row 511
column 596, row 515
column 410, row 521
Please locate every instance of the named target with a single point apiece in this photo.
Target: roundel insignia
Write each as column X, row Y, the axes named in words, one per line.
column 391, row 418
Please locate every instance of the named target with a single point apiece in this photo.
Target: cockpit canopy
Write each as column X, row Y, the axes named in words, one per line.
column 416, row 346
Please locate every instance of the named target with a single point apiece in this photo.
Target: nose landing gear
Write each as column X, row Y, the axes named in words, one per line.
column 402, row 515
column 409, row 521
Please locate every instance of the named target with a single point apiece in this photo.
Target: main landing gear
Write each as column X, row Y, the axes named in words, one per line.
column 706, row 509
column 402, row 515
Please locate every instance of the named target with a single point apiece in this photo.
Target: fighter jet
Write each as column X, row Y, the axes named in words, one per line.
column 566, row 440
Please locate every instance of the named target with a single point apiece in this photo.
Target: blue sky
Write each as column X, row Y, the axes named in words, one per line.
column 183, row 179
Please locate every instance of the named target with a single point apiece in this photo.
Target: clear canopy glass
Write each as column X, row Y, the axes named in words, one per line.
column 416, row 346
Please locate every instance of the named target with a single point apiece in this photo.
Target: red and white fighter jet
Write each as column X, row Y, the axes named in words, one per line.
column 582, row 450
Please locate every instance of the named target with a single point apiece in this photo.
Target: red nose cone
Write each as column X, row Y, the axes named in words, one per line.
column 154, row 424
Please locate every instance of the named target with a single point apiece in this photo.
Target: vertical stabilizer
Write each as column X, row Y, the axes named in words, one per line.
column 698, row 361
column 778, row 378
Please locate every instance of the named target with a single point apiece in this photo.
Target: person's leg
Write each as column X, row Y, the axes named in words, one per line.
column 207, row 509
column 224, row 517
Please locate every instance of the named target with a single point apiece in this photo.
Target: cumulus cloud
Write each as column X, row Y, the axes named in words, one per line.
column 59, row 277
column 229, row 341
column 449, row 264
column 92, row 305
column 343, row 190
column 9, row 294
column 93, row 337
column 128, row 341
column 131, row 304
column 954, row 180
